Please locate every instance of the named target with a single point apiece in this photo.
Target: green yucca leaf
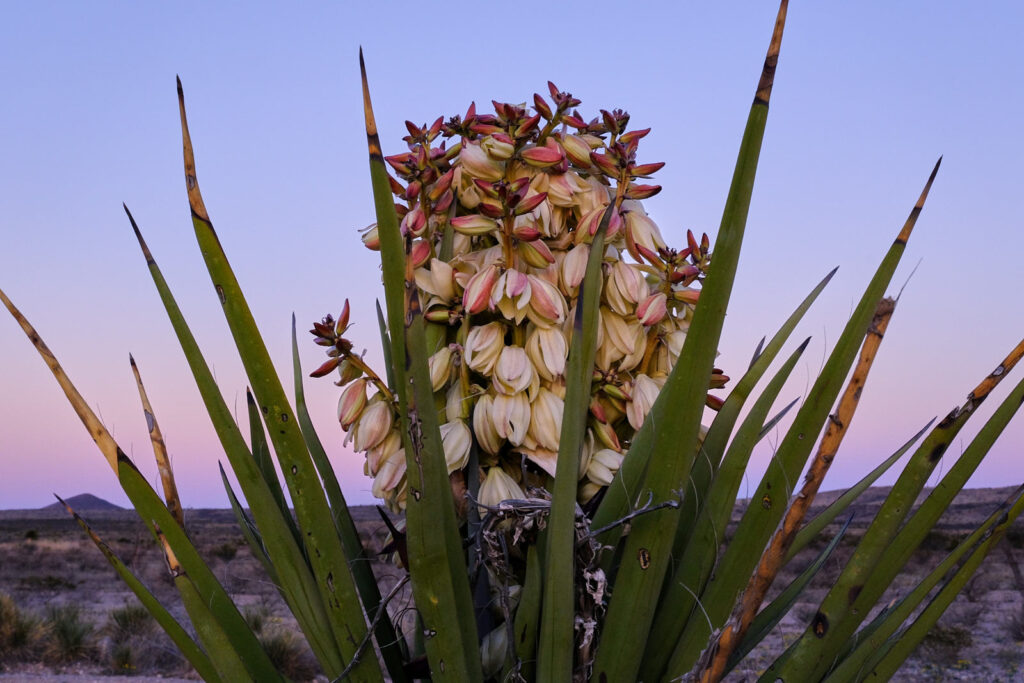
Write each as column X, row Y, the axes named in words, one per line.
column 359, row 560
column 154, row 513
column 249, row 530
column 297, row 583
column 720, row 497
column 188, row 648
column 327, row 559
column 439, row 580
column 814, row 527
column 624, row 487
column 696, row 560
column 838, row 616
column 527, row 619
column 225, row 625
column 778, row 483
column 385, row 345
column 873, row 637
column 713, row 447
column 896, row 553
column 773, row 612
column 557, row 637
column 648, row 547
column 717, row 654
column 265, row 462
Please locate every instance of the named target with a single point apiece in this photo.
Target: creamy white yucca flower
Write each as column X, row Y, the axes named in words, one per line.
column 499, row 213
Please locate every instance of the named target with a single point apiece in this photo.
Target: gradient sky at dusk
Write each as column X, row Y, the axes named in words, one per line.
column 867, row 96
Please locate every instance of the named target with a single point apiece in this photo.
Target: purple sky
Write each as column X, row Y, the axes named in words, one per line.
column 867, row 96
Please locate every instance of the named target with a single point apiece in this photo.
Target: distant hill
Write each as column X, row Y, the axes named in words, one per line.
column 84, row 502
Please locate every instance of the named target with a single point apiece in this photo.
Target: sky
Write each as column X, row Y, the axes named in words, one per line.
column 866, row 97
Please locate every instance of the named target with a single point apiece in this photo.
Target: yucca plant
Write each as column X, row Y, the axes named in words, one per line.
column 538, row 428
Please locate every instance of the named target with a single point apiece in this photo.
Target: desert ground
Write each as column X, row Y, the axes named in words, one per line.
column 79, row 623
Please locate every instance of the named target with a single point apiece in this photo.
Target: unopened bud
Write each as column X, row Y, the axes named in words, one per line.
column 351, row 403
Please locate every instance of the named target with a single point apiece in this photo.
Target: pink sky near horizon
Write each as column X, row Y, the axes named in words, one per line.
column 865, row 100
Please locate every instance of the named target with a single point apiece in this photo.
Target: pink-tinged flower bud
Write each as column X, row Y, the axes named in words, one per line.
column 414, row 223
column 343, row 317
column 498, row 147
column 603, row 466
column 483, row 346
column 605, row 434
column 513, row 373
column 373, row 425
column 441, row 205
column 641, row 231
column 535, row 253
column 511, row 417
column 605, row 164
column 413, row 190
column 440, row 365
column 642, row 396
column 474, row 224
column 574, row 267
column 419, row 253
column 543, row 157
column 634, row 191
column 527, row 126
column 588, row 225
column 526, row 233
column 496, row 487
column 646, row 170
column 483, row 426
column 478, row 163
column 541, row 106
column 351, row 403
column 634, row 135
column 530, row 203
column 456, row 441
column 382, row 451
column 547, row 305
column 547, row 349
column 370, row 237
column 577, row 149
column 625, row 289
column 652, row 310
column 389, row 475
column 492, row 208
column 687, row 296
column 441, row 185
column 546, row 419
column 563, row 189
column 478, row 290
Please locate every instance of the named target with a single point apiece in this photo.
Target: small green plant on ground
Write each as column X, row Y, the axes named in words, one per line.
column 70, row 633
column 22, row 635
column 537, row 429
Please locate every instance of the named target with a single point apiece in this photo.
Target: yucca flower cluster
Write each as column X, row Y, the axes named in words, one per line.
column 499, row 212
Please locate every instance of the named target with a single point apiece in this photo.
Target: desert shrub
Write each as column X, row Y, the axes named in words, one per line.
column 21, row 634
column 31, row 535
column 1015, row 536
column 256, row 617
column 944, row 644
column 70, row 634
column 289, row 655
column 130, row 620
column 225, row 551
